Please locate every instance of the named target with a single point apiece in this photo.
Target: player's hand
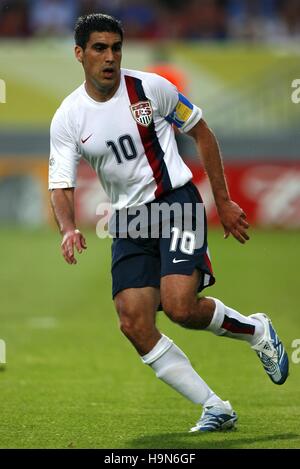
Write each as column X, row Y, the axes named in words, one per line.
column 234, row 221
column 71, row 239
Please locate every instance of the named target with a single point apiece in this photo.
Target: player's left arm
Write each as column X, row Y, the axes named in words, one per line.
column 179, row 111
column 231, row 215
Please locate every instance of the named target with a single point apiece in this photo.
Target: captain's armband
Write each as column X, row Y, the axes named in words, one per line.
column 182, row 112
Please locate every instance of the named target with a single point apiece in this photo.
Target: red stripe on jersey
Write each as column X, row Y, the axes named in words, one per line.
column 149, row 139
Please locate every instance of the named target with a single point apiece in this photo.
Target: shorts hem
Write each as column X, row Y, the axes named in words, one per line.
column 126, row 287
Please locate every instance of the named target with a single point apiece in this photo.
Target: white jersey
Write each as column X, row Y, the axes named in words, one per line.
column 129, row 140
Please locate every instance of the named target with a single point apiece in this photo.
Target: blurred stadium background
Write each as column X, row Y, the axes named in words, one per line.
column 237, row 59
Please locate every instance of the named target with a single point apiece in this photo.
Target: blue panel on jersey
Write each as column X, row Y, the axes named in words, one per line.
column 181, row 113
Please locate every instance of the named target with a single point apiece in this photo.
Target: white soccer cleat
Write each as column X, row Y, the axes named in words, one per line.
column 271, row 351
column 216, row 418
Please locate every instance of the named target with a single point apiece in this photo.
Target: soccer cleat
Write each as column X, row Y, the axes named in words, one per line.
column 271, row 351
column 216, row 418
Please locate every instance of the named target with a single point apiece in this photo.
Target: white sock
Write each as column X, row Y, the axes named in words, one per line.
column 173, row 367
column 230, row 323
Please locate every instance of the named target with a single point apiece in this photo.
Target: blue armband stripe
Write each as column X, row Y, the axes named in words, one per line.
column 185, row 101
column 181, row 113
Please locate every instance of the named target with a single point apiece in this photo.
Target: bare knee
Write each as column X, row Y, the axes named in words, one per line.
column 132, row 322
column 137, row 323
column 192, row 313
column 134, row 330
column 178, row 310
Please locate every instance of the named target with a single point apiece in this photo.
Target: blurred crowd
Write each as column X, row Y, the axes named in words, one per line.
column 266, row 20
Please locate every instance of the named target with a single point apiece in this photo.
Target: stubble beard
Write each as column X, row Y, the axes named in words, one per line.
column 105, row 89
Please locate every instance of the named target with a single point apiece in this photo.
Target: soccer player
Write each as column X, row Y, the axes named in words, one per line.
column 121, row 121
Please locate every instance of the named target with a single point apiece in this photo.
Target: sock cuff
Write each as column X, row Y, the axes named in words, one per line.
column 158, row 350
column 218, row 317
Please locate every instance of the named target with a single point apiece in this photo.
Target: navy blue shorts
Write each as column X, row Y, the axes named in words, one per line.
column 178, row 247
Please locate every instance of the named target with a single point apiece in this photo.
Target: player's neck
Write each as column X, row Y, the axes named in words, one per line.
column 101, row 94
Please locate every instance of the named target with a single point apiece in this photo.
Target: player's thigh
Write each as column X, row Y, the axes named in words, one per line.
column 136, row 302
column 179, row 291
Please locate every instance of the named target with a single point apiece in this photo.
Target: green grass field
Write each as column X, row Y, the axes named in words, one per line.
column 73, row 381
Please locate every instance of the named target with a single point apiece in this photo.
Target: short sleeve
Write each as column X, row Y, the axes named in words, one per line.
column 175, row 107
column 64, row 157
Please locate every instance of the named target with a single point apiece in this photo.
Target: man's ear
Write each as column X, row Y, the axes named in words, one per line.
column 79, row 53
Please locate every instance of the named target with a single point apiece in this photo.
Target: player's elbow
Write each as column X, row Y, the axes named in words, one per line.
column 202, row 134
column 57, row 195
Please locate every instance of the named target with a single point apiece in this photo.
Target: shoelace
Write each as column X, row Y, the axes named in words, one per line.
column 269, row 365
column 267, row 350
column 268, row 359
column 207, row 416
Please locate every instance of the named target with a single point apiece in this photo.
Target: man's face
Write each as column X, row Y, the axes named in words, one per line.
column 101, row 60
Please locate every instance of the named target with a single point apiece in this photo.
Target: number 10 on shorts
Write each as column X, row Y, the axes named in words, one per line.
column 187, row 241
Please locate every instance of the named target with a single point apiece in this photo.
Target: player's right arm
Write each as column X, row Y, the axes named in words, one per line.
column 63, row 163
column 62, row 202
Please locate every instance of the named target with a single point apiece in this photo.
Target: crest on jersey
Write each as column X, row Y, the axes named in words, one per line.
column 142, row 113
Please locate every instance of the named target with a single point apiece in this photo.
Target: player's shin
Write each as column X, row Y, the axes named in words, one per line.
column 230, row 323
column 173, row 367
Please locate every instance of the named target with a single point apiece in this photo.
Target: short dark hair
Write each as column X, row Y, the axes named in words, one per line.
column 88, row 24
